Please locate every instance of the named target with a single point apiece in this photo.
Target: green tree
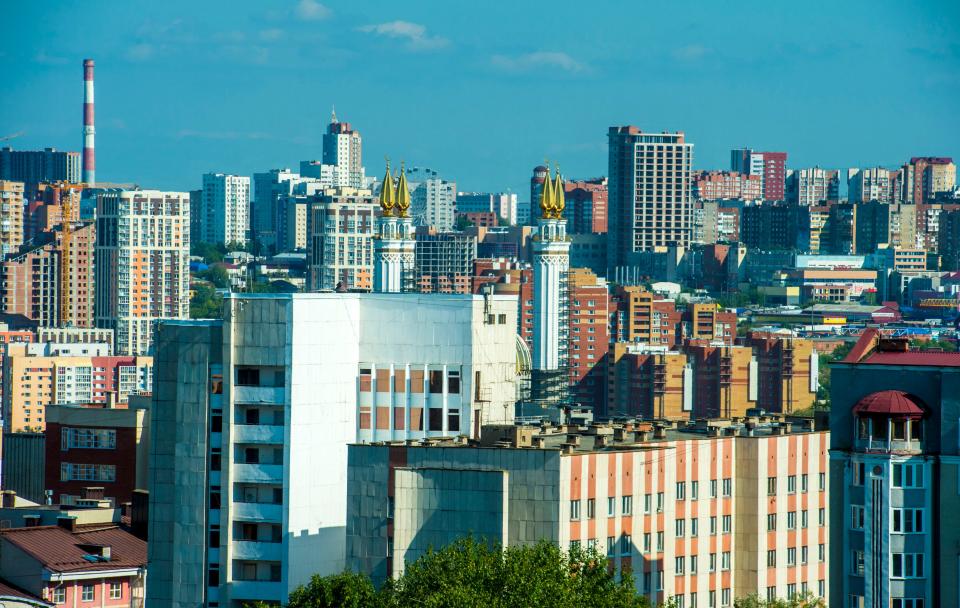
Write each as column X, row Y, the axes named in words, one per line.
column 217, row 275
column 205, row 303
column 211, row 253
column 346, row 590
column 799, row 600
column 934, row 344
column 823, row 372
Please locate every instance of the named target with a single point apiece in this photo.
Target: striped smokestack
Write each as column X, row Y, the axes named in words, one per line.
column 89, row 158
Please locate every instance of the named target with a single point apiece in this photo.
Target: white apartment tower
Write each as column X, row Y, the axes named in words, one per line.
column 395, row 246
column 252, row 416
column 551, row 261
column 343, row 149
column 142, row 264
column 225, row 212
column 434, row 199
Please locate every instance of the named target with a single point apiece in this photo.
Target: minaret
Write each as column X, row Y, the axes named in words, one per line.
column 394, row 248
column 551, row 261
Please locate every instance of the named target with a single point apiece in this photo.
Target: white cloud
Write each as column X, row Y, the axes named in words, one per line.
column 414, row 33
column 311, row 10
column 538, row 60
column 272, row 34
column 691, row 52
column 141, row 51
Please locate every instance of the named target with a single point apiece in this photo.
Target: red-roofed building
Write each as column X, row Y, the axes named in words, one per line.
column 74, row 565
column 11, row 597
column 894, row 466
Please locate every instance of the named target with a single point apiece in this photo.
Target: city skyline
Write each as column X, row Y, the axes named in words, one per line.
column 263, row 96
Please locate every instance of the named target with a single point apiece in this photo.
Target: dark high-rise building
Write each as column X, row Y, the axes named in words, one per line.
column 775, row 226
column 949, row 240
column 35, row 166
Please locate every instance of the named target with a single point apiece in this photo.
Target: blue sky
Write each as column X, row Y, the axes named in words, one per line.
column 479, row 91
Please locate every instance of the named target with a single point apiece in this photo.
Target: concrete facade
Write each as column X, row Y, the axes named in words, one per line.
column 268, row 400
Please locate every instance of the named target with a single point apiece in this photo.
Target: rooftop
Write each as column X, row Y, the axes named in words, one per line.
column 873, row 349
column 60, row 550
column 623, row 435
column 8, row 592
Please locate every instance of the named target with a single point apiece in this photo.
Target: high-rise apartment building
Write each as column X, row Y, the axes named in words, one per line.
column 225, row 208
column 588, row 335
column 142, row 264
column 252, row 416
column 45, row 165
column 722, row 185
column 44, row 210
column 41, row 374
column 650, row 203
column 812, row 186
column 340, row 230
column 949, row 240
column 433, row 198
column 774, row 226
column 343, row 149
column 700, row 515
column 444, row 261
column 925, row 176
column 11, row 217
column 647, row 381
column 586, row 206
column 33, row 280
column 872, row 184
column 770, row 166
column 504, row 204
column 894, row 464
column 268, row 189
column 787, row 372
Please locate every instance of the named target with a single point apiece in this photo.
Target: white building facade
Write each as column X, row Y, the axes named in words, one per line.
column 261, row 407
column 225, row 208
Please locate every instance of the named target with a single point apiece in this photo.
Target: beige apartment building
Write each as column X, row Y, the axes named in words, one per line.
column 11, row 217
column 700, row 514
column 340, row 228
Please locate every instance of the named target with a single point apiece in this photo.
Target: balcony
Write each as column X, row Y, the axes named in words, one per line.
column 256, row 550
column 258, row 590
column 258, row 473
column 889, row 446
column 257, row 433
column 257, row 511
column 259, row 394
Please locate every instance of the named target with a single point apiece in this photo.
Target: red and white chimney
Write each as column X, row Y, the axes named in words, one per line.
column 89, row 158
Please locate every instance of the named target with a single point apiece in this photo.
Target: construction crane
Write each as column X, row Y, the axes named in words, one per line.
column 12, row 136
column 66, row 234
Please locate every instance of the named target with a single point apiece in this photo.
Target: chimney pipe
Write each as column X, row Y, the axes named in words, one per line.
column 89, row 159
column 9, row 499
column 67, row 522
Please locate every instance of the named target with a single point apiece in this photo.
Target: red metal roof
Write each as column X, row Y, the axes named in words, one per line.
column 12, row 593
column 59, row 550
column 896, row 403
column 916, row 357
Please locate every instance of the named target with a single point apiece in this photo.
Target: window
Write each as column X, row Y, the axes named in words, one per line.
column 772, row 558
column 713, row 562
column 771, row 486
column 646, row 542
column 821, row 587
column 907, row 521
column 791, row 520
column 771, row 522
column 907, row 565
column 907, row 475
column 771, row 593
column 86, row 595
column 822, row 517
column 591, row 508
column 678, row 565
column 611, row 544
column 822, row 482
column 725, row 560
column 248, row 376
column 647, row 502
column 60, row 595
column 804, row 555
column 712, row 599
column 859, row 472
column 625, row 545
column 627, row 505
column 857, row 514
column 856, row 564
column 574, row 509
column 725, row 597
column 453, row 381
column 681, row 490
column 903, row 602
column 791, row 589
column 803, row 482
column 727, row 489
column 659, row 541
column 713, row 524
column 727, row 524
column 693, row 564
column 694, row 526
column 659, row 502
column 791, row 556
column 679, row 526
column 435, row 381
column 694, row 492
column 116, row 591
column 822, row 552
column 792, row 484
column 611, row 506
